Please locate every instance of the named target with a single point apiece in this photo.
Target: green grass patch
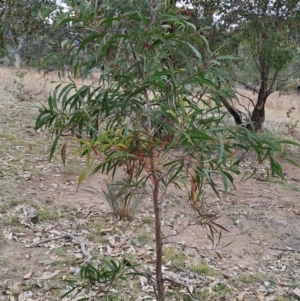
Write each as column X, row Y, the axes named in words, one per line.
column 204, row 295
column 143, row 238
column 61, row 251
column 176, row 258
column 96, row 254
column 96, row 234
column 46, row 213
column 202, row 268
column 8, row 136
column 4, row 208
column 11, row 221
column 147, row 220
column 256, row 278
column 222, row 289
column 233, row 216
column 284, row 298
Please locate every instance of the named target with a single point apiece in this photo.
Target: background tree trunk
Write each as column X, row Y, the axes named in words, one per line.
column 17, row 54
column 17, row 59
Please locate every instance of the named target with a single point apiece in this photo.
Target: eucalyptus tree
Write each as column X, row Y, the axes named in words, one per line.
column 141, row 120
column 24, row 29
column 263, row 34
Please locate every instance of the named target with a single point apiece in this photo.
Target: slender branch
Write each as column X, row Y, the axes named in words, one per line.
column 257, row 65
column 172, row 235
column 143, row 78
column 247, row 109
column 169, row 171
column 285, row 249
column 285, row 80
column 244, row 95
column 269, row 92
column 247, row 87
column 68, row 236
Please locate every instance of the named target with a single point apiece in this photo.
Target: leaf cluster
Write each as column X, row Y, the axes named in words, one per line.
column 100, row 280
column 149, row 114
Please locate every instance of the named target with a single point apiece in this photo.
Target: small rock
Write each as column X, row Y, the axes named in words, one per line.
column 266, row 283
column 259, row 296
column 136, row 242
column 271, row 297
column 237, row 222
column 283, row 268
column 241, row 296
column 296, row 293
column 187, row 264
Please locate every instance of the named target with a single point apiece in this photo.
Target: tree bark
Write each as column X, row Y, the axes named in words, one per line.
column 258, row 114
column 17, row 59
column 17, row 54
column 158, row 235
column 233, row 111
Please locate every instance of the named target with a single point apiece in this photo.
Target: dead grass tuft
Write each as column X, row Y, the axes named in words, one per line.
column 29, row 84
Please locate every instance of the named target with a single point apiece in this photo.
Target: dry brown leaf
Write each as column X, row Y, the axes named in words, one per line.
column 259, row 296
column 112, row 241
column 141, row 252
column 55, row 232
column 241, row 296
column 7, row 234
column 296, row 293
column 21, row 297
column 109, row 250
column 106, row 230
column 28, row 275
column 48, row 275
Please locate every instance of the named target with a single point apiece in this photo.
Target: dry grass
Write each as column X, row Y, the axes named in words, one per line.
column 29, row 84
column 36, row 85
column 33, row 85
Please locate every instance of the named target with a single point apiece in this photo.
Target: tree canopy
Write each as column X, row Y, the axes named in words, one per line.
column 24, row 30
column 263, row 34
column 153, row 120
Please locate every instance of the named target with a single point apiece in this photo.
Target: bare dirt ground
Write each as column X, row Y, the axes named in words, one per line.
column 262, row 261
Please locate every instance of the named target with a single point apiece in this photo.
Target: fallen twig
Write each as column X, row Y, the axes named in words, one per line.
column 285, row 249
column 87, row 255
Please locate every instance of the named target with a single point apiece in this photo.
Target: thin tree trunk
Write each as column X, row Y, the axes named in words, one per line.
column 158, row 236
column 17, row 59
column 258, row 114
